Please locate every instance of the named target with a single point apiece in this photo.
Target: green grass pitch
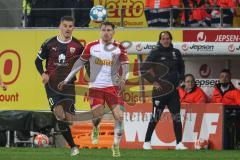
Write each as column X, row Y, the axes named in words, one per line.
column 105, row 154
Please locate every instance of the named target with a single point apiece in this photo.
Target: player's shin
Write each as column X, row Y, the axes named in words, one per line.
column 118, row 131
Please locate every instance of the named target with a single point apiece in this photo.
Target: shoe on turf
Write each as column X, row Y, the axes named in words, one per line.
column 74, row 151
column 180, row 146
column 147, row 146
column 115, row 150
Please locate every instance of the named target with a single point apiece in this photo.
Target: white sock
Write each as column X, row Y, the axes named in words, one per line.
column 118, row 131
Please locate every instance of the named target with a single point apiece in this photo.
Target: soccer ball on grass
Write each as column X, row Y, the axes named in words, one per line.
column 41, row 140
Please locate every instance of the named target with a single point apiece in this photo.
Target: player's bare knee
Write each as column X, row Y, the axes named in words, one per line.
column 98, row 111
column 119, row 117
column 70, row 117
column 97, row 116
column 59, row 113
column 117, row 112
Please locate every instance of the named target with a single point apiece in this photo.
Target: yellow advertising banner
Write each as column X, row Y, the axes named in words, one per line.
column 125, row 13
column 18, row 51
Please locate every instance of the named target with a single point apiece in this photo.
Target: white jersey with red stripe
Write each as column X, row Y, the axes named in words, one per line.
column 105, row 61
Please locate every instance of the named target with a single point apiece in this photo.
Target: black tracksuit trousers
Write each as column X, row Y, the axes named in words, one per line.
column 172, row 100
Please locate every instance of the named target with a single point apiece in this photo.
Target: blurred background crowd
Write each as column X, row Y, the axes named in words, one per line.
column 158, row 13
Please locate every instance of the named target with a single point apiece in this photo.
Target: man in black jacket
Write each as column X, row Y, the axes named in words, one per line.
column 164, row 68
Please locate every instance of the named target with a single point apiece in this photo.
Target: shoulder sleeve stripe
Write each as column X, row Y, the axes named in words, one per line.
column 124, row 62
column 83, row 59
column 40, row 57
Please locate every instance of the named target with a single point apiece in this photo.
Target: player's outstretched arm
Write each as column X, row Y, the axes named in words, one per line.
column 125, row 67
column 39, row 66
column 76, row 67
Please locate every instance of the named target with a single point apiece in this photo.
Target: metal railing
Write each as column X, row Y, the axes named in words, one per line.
column 20, row 18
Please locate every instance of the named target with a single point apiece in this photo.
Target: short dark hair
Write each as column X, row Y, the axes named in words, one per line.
column 67, row 18
column 107, row 23
column 165, row 32
column 189, row 75
column 226, row 71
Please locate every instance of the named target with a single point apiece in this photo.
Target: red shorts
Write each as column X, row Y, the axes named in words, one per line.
column 108, row 95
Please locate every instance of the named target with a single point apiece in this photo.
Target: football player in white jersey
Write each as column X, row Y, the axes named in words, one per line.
column 105, row 57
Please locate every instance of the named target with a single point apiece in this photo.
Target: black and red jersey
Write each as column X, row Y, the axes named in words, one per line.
column 60, row 56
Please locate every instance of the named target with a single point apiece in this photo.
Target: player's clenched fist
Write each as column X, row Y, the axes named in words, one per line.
column 61, row 84
column 45, row 78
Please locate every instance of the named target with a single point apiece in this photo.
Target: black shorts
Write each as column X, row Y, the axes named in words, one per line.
column 65, row 98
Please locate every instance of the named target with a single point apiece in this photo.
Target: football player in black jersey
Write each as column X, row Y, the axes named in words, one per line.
column 60, row 53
